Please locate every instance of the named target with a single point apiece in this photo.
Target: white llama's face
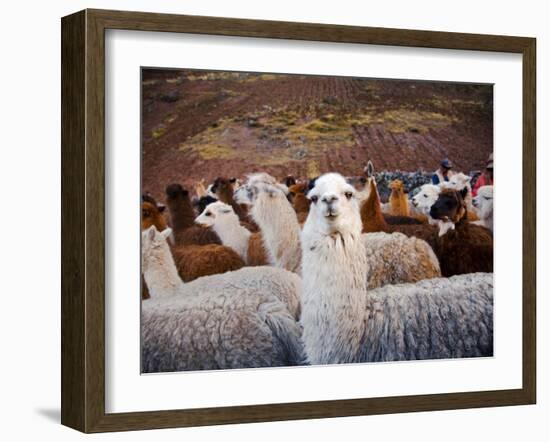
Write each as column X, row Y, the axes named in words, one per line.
column 245, row 194
column 459, row 181
column 426, row 197
column 214, row 213
column 151, row 241
column 483, row 201
column 334, row 206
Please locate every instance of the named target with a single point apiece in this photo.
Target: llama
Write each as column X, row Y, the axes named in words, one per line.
column 466, row 248
column 200, row 204
column 460, row 181
column 241, row 319
column 225, row 222
column 483, row 202
column 344, row 322
column 424, row 199
column 399, row 203
column 277, row 220
column 182, row 217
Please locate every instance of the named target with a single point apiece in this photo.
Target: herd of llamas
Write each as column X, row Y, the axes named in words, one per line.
column 268, row 272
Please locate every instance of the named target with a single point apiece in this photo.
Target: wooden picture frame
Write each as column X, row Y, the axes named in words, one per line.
column 83, row 220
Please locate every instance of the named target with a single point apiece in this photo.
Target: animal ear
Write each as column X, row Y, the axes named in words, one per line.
column 166, row 233
column 161, row 208
column 151, row 232
column 232, row 180
column 369, row 169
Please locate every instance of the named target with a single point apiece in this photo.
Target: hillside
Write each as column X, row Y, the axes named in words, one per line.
column 199, row 124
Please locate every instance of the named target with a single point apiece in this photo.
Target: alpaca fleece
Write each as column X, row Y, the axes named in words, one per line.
column 240, row 319
column 195, row 261
column 395, row 258
column 213, row 329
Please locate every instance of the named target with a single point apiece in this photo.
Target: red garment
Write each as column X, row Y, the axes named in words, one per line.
column 483, row 180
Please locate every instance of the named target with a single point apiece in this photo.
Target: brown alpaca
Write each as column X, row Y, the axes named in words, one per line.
column 299, row 201
column 399, row 203
column 195, row 261
column 182, row 217
column 223, row 188
column 468, row 248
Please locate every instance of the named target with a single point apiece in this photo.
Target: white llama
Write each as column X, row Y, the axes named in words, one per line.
column 483, row 202
column 343, row 322
column 225, row 222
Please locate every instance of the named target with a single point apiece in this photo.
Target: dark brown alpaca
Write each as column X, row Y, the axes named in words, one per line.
column 468, row 248
column 223, row 188
column 182, row 217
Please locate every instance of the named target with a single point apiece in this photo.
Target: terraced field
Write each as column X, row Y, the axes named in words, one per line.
column 199, row 125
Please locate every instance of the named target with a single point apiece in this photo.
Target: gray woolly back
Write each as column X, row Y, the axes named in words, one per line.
column 432, row 319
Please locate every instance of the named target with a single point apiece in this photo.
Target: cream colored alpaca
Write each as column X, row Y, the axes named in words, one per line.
column 483, row 202
column 344, row 322
column 225, row 222
column 278, row 223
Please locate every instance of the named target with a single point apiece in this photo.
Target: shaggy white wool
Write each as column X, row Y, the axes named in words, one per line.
column 279, row 225
column 483, row 202
column 225, row 222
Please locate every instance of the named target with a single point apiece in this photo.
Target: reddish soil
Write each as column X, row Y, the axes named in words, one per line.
column 399, row 125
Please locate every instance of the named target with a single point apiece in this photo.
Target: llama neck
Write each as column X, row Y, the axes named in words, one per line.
column 371, row 212
column 300, row 203
column 182, row 215
column 225, row 195
column 334, row 296
column 233, row 235
column 160, row 272
column 398, row 203
column 280, row 230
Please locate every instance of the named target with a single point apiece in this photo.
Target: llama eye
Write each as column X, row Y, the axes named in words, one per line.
column 348, row 195
column 425, row 196
column 208, row 214
column 314, row 199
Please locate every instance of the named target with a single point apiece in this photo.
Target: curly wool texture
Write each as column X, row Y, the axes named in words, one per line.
column 395, row 258
column 218, row 332
column 236, row 320
column 432, row 319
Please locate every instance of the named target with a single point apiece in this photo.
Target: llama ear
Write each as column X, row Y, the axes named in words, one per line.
column 161, row 208
column 369, row 169
column 166, row 233
column 151, row 232
column 233, row 180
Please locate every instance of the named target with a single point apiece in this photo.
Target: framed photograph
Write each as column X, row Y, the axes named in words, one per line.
column 267, row 221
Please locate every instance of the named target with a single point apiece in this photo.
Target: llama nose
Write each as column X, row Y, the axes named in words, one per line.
column 329, row 199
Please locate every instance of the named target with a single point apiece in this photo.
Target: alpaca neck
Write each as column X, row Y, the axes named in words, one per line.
column 182, row 215
column 160, row 272
column 280, row 230
column 334, row 296
column 398, row 203
column 371, row 212
column 233, row 235
column 226, row 196
column 301, row 203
